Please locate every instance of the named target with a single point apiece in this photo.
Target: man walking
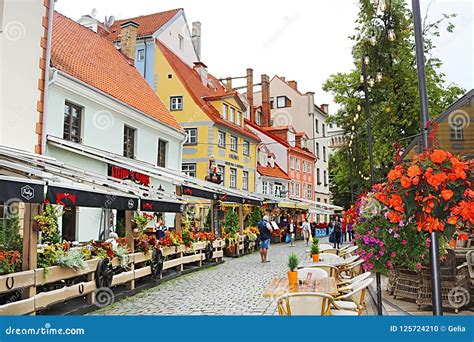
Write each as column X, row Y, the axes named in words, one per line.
column 265, row 230
column 337, row 226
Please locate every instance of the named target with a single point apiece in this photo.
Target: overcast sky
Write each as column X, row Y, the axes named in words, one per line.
column 305, row 40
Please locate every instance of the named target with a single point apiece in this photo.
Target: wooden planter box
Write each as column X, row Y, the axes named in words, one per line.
column 13, row 281
column 231, row 251
column 218, row 244
column 57, row 273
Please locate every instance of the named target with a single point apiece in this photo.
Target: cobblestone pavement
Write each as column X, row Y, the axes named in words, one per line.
column 232, row 288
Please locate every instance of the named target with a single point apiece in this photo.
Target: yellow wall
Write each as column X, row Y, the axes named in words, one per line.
column 192, row 113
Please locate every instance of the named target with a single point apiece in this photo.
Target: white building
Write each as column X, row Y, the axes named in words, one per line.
column 271, row 180
column 103, row 117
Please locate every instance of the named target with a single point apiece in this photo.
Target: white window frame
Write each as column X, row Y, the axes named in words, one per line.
column 190, row 169
column 279, row 98
column 221, row 139
column 221, row 169
column 225, row 111
column 297, row 190
column 292, row 163
column 234, row 143
column 233, row 178
column 239, row 118
column 232, row 115
column 190, row 136
column 298, row 164
column 310, row 191
column 456, row 133
column 264, row 187
column 245, row 180
column 176, row 103
column 140, row 55
column 246, row 148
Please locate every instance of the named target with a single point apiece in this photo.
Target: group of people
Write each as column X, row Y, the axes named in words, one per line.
column 337, row 230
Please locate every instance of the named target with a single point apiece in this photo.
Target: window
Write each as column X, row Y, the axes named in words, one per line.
column 72, row 122
column 141, row 55
column 239, row 119
column 310, row 192
column 324, row 129
column 176, row 103
column 324, row 153
column 258, row 118
column 292, row 188
column 272, row 101
column 317, row 150
column 304, row 166
column 264, row 187
column 180, row 42
column 222, row 172
column 191, row 136
column 318, row 176
column 221, row 139
column 189, row 169
column 162, row 153
column 225, row 109
column 318, row 199
column 232, row 114
column 233, row 177
column 325, row 178
column 297, row 190
column 297, row 164
column 233, row 143
column 456, row 132
column 310, row 168
column 278, row 189
column 270, row 188
column 246, row 148
column 245, row 180
column 129, row 142
column 292, row 163
column 283, row 101
column 317, row 125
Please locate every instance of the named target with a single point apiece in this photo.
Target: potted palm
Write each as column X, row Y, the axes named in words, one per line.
column 315, row 250
column 293, row 262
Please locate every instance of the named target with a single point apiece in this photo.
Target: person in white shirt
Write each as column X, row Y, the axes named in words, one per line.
column 292, row 233
column 306, row 231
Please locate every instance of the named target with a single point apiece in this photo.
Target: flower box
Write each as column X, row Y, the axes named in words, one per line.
column 231, row 251
column 57, row 273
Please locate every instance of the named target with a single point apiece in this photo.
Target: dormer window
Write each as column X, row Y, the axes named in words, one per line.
column 232, row 115
column 283, row 102
column 303, row 143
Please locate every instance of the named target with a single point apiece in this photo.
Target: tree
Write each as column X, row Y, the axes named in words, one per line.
column 255, row 217
column 394, row 101
column 231, row 222
column 208, row 223
column 10, row 239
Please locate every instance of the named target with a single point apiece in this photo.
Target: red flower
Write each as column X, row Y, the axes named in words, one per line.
column 394, row 217
column 447, row 194
column 394, row 175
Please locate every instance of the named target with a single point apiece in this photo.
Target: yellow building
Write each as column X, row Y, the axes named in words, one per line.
column 212, row 117
column 455, row 131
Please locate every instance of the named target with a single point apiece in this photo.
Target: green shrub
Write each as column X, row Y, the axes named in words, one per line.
column 293, row 262
column 10, row 239
column 255, row 217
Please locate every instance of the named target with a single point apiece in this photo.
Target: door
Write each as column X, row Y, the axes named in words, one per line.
column 69, row 224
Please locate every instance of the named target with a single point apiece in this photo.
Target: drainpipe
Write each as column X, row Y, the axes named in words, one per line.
column 46, row 74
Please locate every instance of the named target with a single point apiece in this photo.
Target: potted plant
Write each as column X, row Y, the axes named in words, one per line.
column 315, row 250
column 231, row 237
column 293, row 262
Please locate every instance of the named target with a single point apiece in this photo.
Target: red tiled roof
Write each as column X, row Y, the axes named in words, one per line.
column 85, row 55
column 275, row 172
column 281, row 141
column 149, row 24
column 198, row 91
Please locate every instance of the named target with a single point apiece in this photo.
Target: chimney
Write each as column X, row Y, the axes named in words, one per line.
column 201, row 69
column 325, row 108
column 128, row 38
column 265, row 101
column 283, row 78
column 228, row 84
column 293, row 84
column 250, row 94
column 196, row 38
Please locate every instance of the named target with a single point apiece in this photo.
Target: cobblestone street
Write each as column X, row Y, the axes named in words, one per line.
column 232, row 288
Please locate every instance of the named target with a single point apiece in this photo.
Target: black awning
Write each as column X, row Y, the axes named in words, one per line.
column 194, row 192
column 81, row 198
column 161, row 206
column 13, row 191
column 239, row 199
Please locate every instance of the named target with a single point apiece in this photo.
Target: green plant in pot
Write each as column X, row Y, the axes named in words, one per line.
column 293, row 262
column 315, row 252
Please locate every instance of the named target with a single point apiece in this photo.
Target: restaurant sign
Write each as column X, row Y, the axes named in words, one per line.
column 135, row 176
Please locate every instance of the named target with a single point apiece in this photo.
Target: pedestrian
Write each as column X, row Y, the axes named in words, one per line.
column 344, row 230
column 313, row 228
column 265, row 230
column 337, row 227
column 306, row 231
column 350, row 231
column 292, row 233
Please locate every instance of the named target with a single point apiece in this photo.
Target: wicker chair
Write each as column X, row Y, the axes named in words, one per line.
column 407, row 284
column 392, row 279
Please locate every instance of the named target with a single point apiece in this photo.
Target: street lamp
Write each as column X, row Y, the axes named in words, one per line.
column 391, row 33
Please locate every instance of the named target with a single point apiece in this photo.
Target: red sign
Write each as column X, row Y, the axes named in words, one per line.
column 121, row 173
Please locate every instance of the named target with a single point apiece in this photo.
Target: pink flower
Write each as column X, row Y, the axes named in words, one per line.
column 395, row 235
column 404, row 242
column 418, row 265
column 381, row 253
column 422, row 257
column 390, row 231
column 393, row 255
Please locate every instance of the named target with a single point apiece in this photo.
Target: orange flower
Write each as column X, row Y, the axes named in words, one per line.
column 447, row 194
column 438, row 156
column 465, row 210
column 459, row 169
column 396, row 203
column 414, row 171
column 453, row 220
column 394, row 175
column 430, row 224
column 415, row 180
column 394, row 217
column 437, row 179
column 406, row 182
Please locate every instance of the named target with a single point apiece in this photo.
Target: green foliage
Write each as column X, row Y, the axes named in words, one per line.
column 314, row 249
column 208, row 223
column 255, row 217
column 48, row 223
column 231, row 224
column 10, row 239
column 293, row 262
column 73, row 259
column 120, row 228
column 394, row 102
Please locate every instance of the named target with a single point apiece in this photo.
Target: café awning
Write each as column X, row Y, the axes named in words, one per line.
column 14, row 189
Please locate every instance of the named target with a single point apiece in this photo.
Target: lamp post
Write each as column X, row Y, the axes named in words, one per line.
column 424, row 116
column 371, row 162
